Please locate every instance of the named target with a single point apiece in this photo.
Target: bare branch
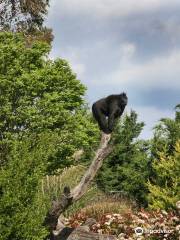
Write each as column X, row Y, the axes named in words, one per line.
column 68, row 197
column 100, row 155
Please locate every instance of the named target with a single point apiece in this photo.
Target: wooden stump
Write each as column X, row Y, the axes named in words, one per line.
column 79, row 234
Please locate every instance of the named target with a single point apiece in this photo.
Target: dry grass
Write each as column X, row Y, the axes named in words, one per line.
column 107, row 205
column 53, row 185
column 94, row 203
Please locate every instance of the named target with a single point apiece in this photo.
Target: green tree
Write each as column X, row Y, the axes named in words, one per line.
column 38, row 94
column 126, row 169
column 164, row 177
column 165, row 188
column 26, row 16
column 166, row 134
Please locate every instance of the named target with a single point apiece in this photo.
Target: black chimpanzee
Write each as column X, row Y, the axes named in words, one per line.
column 111, row 107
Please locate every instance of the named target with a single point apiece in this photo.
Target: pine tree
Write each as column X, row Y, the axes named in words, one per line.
column 165, row 189
column 165, row 168
column 126, row 169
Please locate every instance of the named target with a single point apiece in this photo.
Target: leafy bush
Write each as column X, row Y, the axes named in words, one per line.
column 22, row 205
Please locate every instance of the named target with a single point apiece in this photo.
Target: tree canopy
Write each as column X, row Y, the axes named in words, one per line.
column 39, row 94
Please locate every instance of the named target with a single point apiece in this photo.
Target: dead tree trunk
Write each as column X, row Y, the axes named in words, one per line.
column 70, row 196
column 100, row 155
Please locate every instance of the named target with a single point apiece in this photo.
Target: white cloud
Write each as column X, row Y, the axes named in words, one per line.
column 150, row 116
column 109, row 8
column 127, row 51
column 72, row 56
column 129, row 72
column 159, row 72
column 78, row 68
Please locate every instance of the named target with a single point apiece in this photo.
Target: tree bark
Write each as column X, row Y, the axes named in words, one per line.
column 69, row 197
column 102, row 152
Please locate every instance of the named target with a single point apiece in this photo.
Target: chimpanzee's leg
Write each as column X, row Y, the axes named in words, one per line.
column 101, row 119
column 111, row 120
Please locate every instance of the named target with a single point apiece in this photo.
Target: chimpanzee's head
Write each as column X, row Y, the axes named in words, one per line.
column 123, row 98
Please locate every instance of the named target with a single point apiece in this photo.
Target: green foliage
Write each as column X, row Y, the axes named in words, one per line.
column 22, row 205
column 43, row 121
column 165, row 188
column 164, row 177
column 166, row 134
column 126, row 169
column 79, row 133
column 37, row 94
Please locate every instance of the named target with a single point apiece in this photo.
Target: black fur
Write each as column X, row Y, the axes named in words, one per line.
column 110, row 107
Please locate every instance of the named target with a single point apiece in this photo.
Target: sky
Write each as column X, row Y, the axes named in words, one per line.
column 122, row 45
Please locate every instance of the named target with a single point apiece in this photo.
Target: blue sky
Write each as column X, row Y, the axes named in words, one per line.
column 122, row 45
